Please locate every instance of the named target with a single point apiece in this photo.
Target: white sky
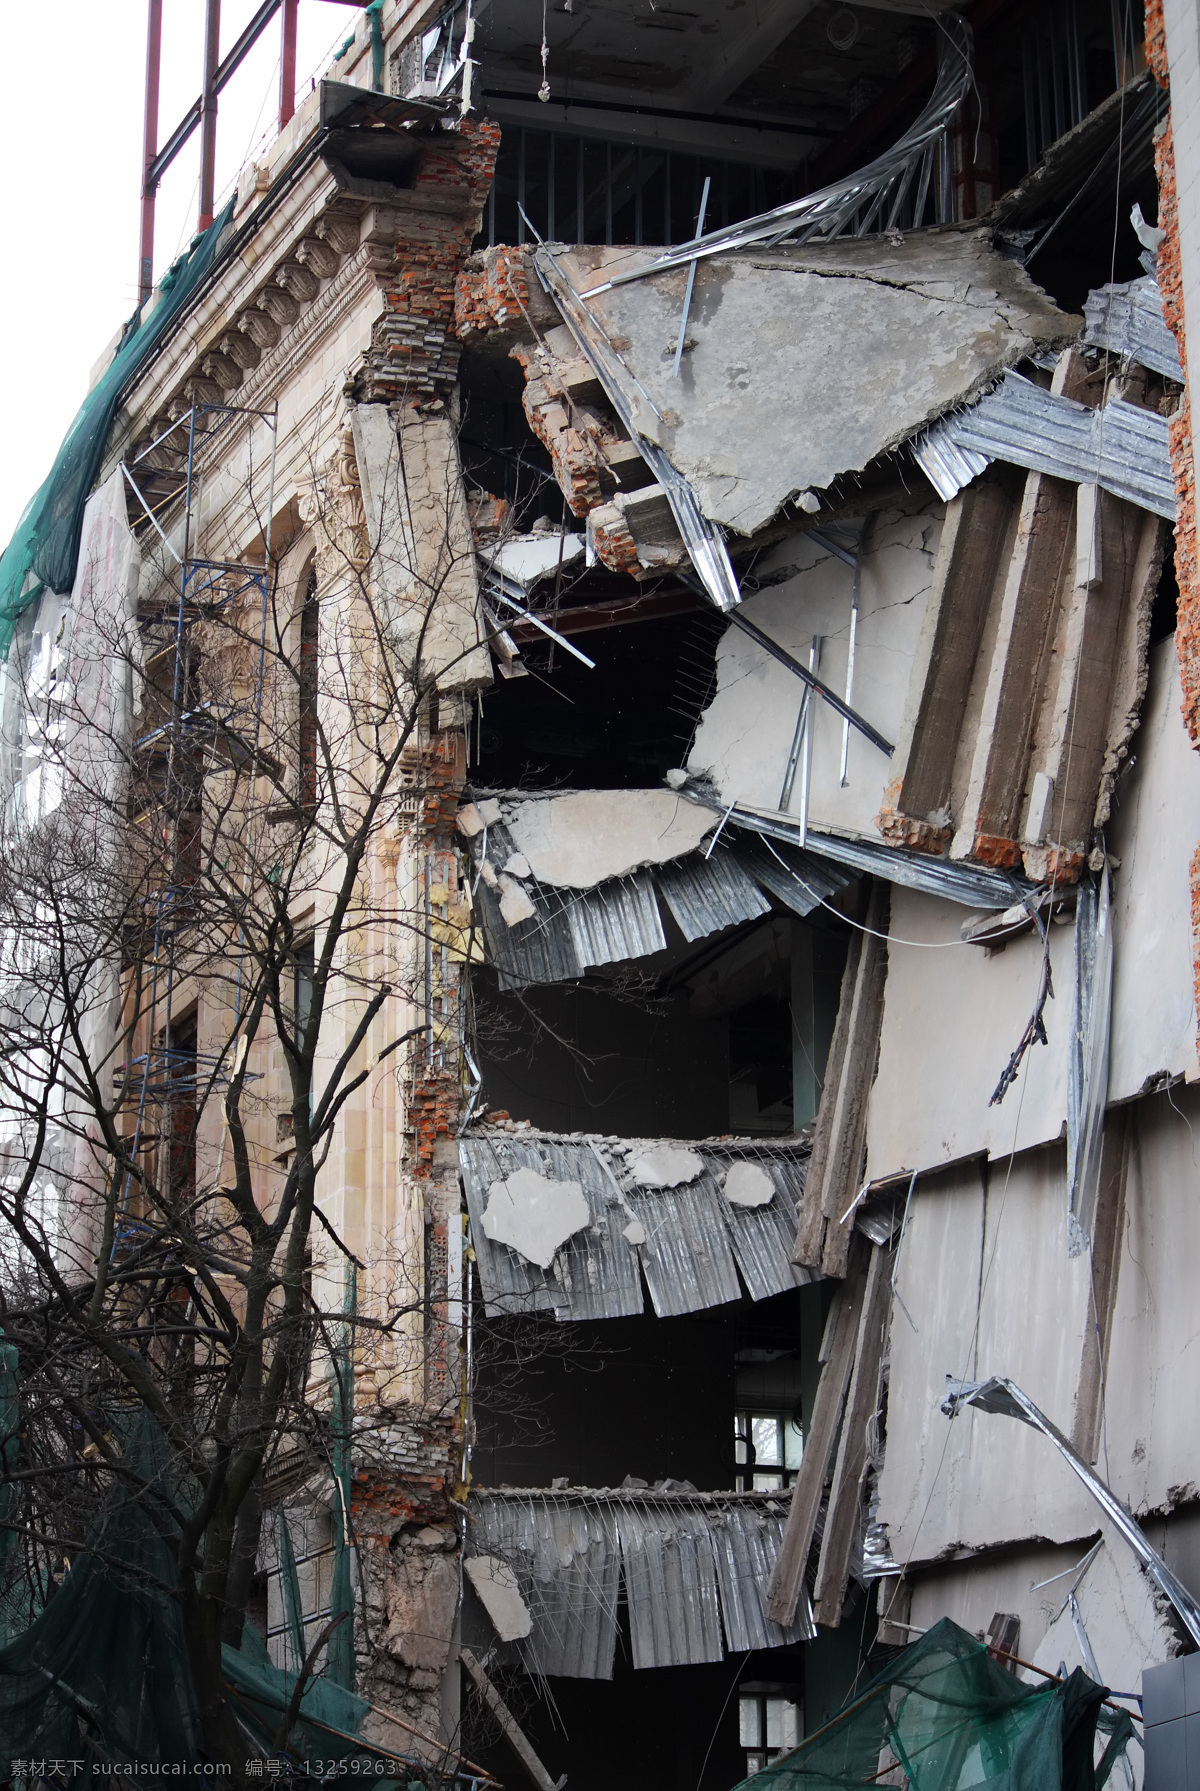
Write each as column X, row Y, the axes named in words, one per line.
column 71, row 148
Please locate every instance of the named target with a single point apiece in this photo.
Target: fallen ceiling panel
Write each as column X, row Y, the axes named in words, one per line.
column 808, row 362
column 694, row 1565
column 690, row 1240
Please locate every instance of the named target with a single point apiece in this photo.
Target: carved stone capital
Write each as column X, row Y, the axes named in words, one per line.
column 300, row 283
column 261, row 328
column 321, row 257
column 279, row 304
column 339, row 229
column 241, row 349
column 223, row 369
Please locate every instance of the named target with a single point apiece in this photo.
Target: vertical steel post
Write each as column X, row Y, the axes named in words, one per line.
column 150, row 150
column 208, row 112
column 287, row 63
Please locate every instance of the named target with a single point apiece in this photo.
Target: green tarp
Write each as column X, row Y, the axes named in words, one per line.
column 945, row 1716
column 45, row 547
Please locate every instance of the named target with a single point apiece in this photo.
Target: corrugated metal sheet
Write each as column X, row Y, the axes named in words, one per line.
column 974, row 886
column 694, row 1565
column 615, row 921
column 746, row 1543
column 1129, row 320
column 797, row 879
column 671, row 1585
column 567, row 1559
column 946, row 465
column 696, row 1244
column 706, row 894
column 594, row 1275
column 1120, row 447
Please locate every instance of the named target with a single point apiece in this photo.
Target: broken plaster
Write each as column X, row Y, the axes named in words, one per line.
column 865, row 341
column 535, row 1215
column 495, row 1583
column 745, row 1184
column 584, row 838
column 666, row 1166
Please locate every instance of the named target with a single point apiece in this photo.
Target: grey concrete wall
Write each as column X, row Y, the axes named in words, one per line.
column 929, row 1105
column 746, row 733
column 1154, row 829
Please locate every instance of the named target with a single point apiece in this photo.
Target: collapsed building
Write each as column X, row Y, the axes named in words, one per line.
column 789, row 420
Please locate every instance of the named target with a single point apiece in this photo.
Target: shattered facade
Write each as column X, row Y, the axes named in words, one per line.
column 796, row 938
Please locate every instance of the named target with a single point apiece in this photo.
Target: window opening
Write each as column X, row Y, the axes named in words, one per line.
column 769, row 1723
column 767, row 1448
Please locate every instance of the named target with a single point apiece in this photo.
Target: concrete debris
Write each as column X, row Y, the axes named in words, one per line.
column 866, row 341
column 469, row 820
column 515, row 905
column 535, row 1215
column 528, row 558
column 588, row 836
column 745, row 1184
column 518, row 866
column 634, row 1233
column 666, row 1166
column 495, row 1583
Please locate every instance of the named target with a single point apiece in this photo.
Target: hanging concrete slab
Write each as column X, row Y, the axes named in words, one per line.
column 806, row 363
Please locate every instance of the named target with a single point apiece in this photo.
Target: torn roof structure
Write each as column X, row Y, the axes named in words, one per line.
column 692, row 1568
column 740, row 458
column 600, row 1216
column 804, row 364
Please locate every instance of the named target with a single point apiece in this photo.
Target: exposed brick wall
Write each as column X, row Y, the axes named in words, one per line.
column 415, row 349
column 498, row 296
column 1170, row 279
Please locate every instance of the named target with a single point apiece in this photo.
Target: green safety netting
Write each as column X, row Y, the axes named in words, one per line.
column 945, row 1716
column 45, row 547
column 102, row 1675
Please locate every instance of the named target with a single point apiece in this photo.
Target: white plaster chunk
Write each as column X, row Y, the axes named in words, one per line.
column 518, row 865
column 530, row 557
column 581, row 839
column 489, row 811
column 469, row 820
column 515, row 905
column 634, row 1233
column 745, row 1184
column 496, row 1585
column 666, row 1166
column 535, row 1215
column 487, row 871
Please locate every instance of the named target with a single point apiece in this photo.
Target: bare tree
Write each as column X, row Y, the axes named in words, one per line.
column 220, row 934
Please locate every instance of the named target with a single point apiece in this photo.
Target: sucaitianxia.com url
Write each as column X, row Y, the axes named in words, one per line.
column 168, row 1769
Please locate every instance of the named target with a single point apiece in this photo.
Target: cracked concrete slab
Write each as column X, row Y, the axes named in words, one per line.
column 809, row 362
column 495, row 1583
column 581, row 839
